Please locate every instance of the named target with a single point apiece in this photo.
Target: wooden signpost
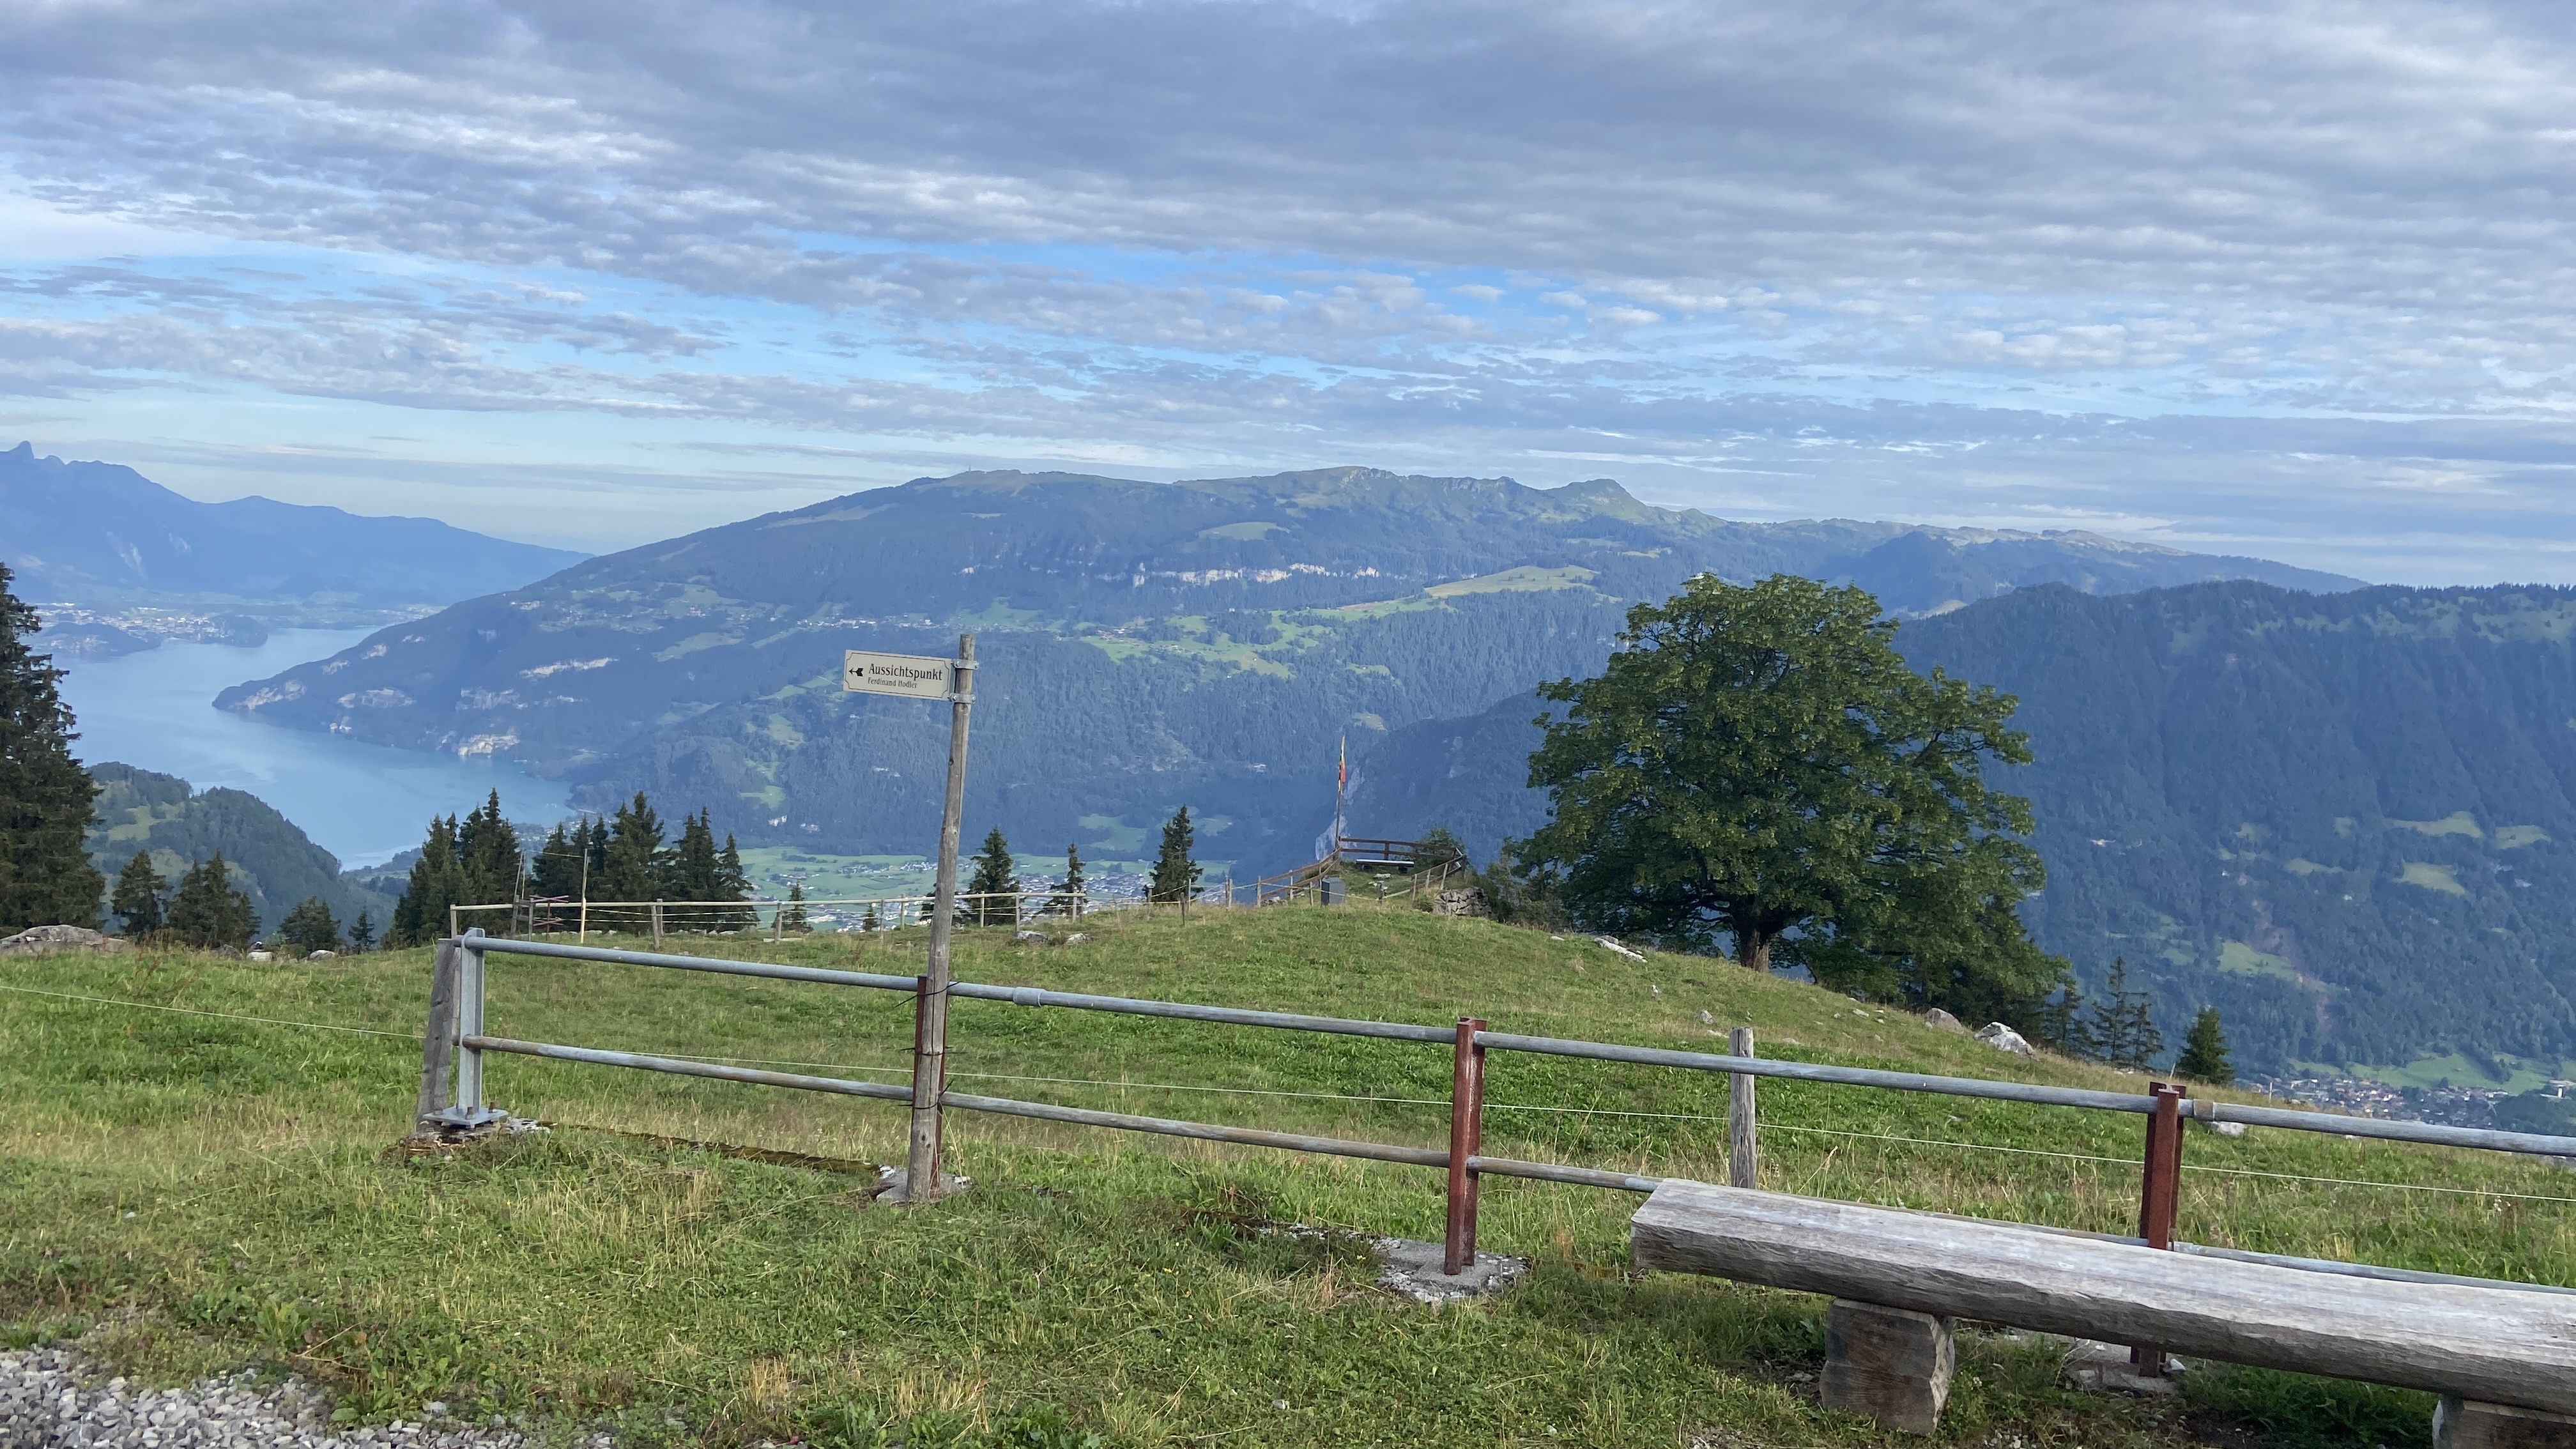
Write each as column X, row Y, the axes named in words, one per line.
column 922, row 676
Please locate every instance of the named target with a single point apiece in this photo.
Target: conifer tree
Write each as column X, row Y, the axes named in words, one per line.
column 693, row 875
column 2123, row 1026
column 869, row 922
column 437, row 882
column 45, row 796
column 310, row 927
column 487, row 850
column 362, row 936
column 207, row 911
column 733, row 885
column 1068, row 899
column 795, row 905
column 137, row 901
column 632, row 861
column 2204, row 1052
column 1175, row 874
column 996, row 879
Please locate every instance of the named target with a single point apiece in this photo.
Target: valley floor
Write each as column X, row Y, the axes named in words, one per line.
column 216, row 1184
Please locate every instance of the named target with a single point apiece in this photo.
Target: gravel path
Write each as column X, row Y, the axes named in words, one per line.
column 54, row 1399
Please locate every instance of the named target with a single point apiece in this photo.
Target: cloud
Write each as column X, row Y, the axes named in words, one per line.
column 1963, row 255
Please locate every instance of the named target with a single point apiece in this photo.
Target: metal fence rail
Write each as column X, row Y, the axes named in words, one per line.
column 456, row 1041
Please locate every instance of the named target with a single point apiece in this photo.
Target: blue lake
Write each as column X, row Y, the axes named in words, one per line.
column 363, row 803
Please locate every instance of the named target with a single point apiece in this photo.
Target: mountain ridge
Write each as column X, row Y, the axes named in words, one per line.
column 104, row 536
column 1143, row 644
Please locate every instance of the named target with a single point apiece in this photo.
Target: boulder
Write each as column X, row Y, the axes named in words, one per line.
column 1943, row 1021
column 2004, row 1039
column 45, row 940
column 1615, row 949
column 1469, row 901
column 321, row 955
column 257, row 955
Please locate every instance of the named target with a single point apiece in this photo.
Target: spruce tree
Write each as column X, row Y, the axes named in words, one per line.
column 1068, row 899
column 693, row 875
column 2204, row 1052
column 733, row 885
column 137, row 901
column 487, row 850
column 45, row 796
column 795, row 921
column 207, row 912
column 996, row 878
column 633, row 861
column 1175, row 874
column 2123, row 1025
column 362, row 936
column 869, row 922
column 437, row 883
column 310, row 927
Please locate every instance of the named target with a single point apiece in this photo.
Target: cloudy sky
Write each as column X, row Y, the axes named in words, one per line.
column 2292, row 280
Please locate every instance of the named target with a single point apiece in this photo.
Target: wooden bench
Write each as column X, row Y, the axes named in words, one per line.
column 2503, row 1360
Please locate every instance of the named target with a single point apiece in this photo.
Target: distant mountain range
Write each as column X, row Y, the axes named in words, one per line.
column 268, row 857
column 139, row 563
column 2349, row 821
column 1144, row 645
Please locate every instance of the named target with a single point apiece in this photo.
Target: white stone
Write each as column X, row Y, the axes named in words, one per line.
column 2004, row 1039
column 44, row 940
column 1615, row 949
column 1943, row 1021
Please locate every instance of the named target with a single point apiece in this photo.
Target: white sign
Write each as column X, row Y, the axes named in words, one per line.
column 914, row 676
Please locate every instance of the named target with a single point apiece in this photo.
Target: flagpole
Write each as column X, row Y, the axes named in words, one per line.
column 1341, row 781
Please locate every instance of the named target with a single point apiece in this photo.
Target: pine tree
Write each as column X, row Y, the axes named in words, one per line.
column 1175, row 874
column 556, row 873
column 207, row 911
column 487, row 850
column 137, row 901
column 362, row 936
column 45, row 796
column 2204, row 1052
column 632, row 861
column 795, row 921
column 310, row 927
column 869, row 922
column 732, row 884
column 693, row 875
column 996, row 880
column 437, row 883
column 2123, row 1026
column 1068, row 898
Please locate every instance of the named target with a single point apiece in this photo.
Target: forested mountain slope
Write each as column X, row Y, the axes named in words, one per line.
column 270, row 859
column 2347, row 820
column 1143, row 645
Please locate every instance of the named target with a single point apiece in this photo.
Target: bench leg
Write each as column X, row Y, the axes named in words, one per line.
column 1892, row 1364
column 2468, row 1424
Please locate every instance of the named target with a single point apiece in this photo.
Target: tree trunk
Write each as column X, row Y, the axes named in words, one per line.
column 1753, row 950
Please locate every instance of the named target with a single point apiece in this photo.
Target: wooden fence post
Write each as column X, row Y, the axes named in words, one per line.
column 438, row 1045
column 657, row 923
column 2159, row 1196
column 1743, row 1163
column 1466, row 1137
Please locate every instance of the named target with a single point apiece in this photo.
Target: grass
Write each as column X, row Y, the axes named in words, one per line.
column 195, row 1192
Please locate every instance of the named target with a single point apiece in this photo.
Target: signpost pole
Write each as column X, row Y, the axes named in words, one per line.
column 930, row 1059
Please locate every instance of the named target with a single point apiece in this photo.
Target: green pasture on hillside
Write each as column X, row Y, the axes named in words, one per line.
column 193, row 1191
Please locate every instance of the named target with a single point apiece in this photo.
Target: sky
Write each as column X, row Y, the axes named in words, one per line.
column 2291, row 280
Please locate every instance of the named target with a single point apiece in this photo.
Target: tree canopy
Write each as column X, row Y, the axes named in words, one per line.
column 46, row 878
column 1176, row 876
column 1758, row 762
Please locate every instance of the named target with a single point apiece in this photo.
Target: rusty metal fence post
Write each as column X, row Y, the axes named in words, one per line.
column 2159, row 1195
column 1743, row 1148
column 1466, row 1139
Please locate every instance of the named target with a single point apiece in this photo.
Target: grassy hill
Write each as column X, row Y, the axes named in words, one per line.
column 202, row 1190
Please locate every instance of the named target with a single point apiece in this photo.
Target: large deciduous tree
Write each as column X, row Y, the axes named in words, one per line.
column 46, row 878
column 1759, row 762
